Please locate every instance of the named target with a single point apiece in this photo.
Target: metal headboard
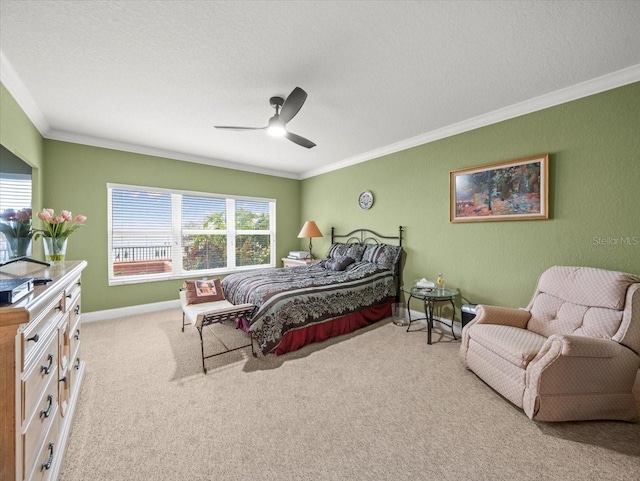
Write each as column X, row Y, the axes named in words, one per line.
column 368, row 236
column 365, row 236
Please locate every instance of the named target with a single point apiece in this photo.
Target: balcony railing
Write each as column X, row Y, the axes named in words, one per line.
column 141, row 253
column 140, row 260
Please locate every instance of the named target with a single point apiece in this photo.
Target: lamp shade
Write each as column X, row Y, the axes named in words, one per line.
column 310, row 229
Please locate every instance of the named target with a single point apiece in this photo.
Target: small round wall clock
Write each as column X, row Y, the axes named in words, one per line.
column 365, row 200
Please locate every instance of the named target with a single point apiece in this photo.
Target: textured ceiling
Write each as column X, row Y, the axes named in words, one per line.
column 156, row 76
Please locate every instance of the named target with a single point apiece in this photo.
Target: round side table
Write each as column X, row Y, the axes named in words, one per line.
column 429, row 298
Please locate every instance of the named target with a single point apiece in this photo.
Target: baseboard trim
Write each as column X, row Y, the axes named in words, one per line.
column 128, row 311
column 161, row 306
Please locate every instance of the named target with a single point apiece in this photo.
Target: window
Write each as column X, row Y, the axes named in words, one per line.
column 159, row 234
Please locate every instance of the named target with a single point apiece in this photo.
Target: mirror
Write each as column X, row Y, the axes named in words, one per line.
column 15, row 197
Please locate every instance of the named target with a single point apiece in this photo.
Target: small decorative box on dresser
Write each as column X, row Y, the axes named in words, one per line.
column 41, row 371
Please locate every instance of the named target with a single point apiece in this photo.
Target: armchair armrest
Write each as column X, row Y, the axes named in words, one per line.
column 505, row 316
column 578, row 364
column 580, row 346
column 576, row 378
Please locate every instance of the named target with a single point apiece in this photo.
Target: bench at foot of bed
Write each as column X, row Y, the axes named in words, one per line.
column 207, row 313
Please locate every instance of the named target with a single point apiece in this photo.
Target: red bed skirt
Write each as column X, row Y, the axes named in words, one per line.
column 297, row 338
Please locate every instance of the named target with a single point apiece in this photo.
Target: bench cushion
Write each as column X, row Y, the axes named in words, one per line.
column 217, row 311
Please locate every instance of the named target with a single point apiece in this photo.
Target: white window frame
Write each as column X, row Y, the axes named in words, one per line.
column 176, row 235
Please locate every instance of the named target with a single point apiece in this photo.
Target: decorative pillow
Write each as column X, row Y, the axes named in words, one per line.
column 202, row 291
column 339, row 250
column 336, row 250
column 339, row 264
column 383, row 255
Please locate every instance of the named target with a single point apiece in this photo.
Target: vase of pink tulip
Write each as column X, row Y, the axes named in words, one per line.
column 16, row 227
column 56, row 232
column 55, row 249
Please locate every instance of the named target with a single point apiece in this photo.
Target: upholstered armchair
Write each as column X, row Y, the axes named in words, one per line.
column 572, row 354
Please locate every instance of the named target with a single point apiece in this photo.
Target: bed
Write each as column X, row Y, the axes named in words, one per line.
column 354, row 286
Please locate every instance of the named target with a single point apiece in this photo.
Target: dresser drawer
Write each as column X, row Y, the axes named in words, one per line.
column 45, row 415
column 36, row 379
column 43, row 409
column 43, row 462
column 71, row 292
column 34, row 334
column 73, row 372
column 74, row 340
column 73, row 308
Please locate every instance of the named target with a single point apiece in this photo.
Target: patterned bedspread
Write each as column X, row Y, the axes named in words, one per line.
column 295, row 297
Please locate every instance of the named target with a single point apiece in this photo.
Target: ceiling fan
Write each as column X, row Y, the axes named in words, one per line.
column 285, row 111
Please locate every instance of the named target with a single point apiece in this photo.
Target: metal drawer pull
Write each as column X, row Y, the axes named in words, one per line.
column 59, row 307
column 76, row 336
column 47, row 465
column 45, row 412
column 77, row 309
column 47, row 369
column 63, row 379
column 35, row 338
column 68, row 296
column 77, row 366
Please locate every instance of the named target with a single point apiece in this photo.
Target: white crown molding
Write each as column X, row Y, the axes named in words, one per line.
column 14, row 85
column 168, row 154
column 584, row 89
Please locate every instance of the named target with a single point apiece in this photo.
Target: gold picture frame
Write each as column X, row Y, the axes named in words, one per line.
column 513, row 190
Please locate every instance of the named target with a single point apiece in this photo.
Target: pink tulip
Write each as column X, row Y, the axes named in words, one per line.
column 58, row 226
column 23, row 214
column 45, row 215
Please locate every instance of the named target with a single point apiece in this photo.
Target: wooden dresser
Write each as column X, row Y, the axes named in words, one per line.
column 41, row 370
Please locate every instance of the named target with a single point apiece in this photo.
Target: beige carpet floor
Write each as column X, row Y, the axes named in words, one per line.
column 378, row 404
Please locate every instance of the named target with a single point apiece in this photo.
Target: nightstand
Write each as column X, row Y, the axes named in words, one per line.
column 430, row 297
column 288, row 262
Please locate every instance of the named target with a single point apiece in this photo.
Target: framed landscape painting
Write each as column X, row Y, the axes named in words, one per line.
column 512, row 190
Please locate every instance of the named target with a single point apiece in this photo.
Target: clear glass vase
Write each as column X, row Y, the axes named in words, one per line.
column 54, row 249
column 18, row 246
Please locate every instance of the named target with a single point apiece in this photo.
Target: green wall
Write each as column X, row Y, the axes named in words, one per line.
column 594, row 147
column 76, row 180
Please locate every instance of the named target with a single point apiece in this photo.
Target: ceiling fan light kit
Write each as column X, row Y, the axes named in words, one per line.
column 286, row 109
column 276, row 127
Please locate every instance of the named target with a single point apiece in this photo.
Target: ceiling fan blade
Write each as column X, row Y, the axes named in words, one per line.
column 292, row 104
column 228, row 127
column 299, row 140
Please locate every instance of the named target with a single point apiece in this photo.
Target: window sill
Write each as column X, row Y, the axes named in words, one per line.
column 121, row 281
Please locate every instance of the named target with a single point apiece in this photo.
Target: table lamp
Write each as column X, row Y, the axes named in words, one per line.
column 310, row 230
